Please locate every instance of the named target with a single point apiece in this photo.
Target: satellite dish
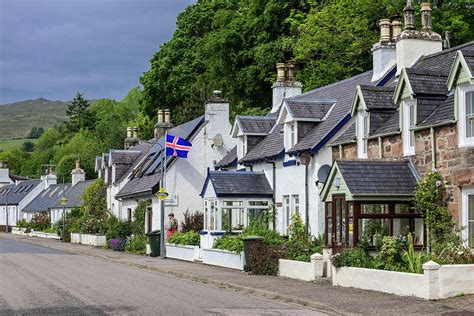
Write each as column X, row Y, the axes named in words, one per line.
column 217, row 140
column 323, row 173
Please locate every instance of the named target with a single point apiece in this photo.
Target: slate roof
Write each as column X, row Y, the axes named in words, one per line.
column 74, row 195
column 378, row 98
column 443, row 114
column 349, row 136
column 238, row 183
column 442, row 61
column 146, row 175
column 229, row 160
column 47, row 198
column 309, row 109
column 469, row 58
column 343, row 92
column 13, row 194
column 269, row 148
column 389, row 127
column 430, row 82
column 255, row 124
column 377, row 177
column 15, row 178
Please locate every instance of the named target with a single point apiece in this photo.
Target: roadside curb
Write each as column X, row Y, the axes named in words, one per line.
column 198, row 279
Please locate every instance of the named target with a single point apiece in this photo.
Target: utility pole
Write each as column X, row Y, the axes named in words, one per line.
column 162, row 204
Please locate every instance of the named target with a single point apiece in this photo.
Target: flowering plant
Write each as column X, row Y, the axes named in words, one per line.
column 117, row 244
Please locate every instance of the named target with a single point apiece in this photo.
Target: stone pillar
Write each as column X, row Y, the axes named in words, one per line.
column 318, row 265
column 327, row 253
column 431, row 272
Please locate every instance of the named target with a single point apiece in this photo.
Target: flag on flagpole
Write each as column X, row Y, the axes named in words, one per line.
column 177, row 147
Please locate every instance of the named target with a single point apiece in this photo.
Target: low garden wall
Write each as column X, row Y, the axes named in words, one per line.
column 223, row 258
column 306, row 271
column 86, row 239
column 182, row 252
column 21, row 232
column 436, row 282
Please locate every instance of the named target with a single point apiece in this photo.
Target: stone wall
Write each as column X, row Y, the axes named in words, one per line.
column 349, row 151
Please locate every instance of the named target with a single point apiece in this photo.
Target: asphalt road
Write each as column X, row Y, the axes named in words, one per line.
column 36, row 280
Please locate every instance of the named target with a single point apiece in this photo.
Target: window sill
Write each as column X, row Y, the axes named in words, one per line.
column 465, row 144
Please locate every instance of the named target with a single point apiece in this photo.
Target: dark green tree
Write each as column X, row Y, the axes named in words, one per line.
column 79, row 114
column 28, row 146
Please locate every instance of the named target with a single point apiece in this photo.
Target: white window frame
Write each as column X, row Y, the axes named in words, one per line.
column 362, row 134
column 464, row 141
column 466, row 192
column 291, row 134
column 408, row 105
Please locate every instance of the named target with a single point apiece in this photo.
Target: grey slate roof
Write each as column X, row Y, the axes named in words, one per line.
column 47, row 198
column 343, row 92
column 469, row 58
column 255, row 124
column 146, row 176
column 443, row 114
column 442, row 61
column 378, row 98
column 349, row 136
column 15, row 178
column 228, row 160
column 13, row 194
column 74, row 195
column 269, row 148
column 427, row 81
column 239, row 183
column 309, row 109
column 389, row 127
column 143, row 147
column 376, row 177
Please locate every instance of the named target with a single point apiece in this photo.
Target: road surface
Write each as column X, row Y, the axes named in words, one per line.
column 35, row 280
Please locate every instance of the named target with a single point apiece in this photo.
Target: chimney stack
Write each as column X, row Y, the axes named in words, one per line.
column 383, row 52
column 4, row 173
column 3, row 164
column 167, row 116
column 280, row 72
column 135, row 133
column 160, row 116
column 50, row 178
column 129, row 132
column 78, row 174
column 164, row 122
column 426, row 17
column 409, row 17
column 291, row 71
column 396, row 27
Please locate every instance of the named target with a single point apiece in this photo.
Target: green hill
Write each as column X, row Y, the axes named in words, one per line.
column 17, row 119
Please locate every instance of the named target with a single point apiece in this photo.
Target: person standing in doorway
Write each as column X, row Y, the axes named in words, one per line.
column 172, row 225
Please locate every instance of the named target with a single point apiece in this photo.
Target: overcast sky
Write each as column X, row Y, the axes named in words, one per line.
column 54, row 48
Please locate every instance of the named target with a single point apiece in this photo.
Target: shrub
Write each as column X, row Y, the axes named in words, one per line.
column 40, row 221
column 22, row 223
column 138, row 225
column 117, row 244
column 52, row 230
column 356, row 257
column 300, row 246
column 264, row 258
column 189, row 238
column 72, row 225
column 390, row 254
column 137, row 245
column 193, row 221
column 271, row 237
column 117, row 228
column 229, row 243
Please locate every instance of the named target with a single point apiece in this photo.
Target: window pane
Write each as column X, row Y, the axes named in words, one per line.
column 329, row 208
column 470, row 207
column 374, row 208
column 470, row 114
column 255, row 214
column 329, row 236
column 338, row 219
column 372, row 230
column 403, row 209
column 258, row 203
column 232, row 203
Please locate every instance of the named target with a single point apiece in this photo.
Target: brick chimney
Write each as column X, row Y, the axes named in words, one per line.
column 285, row 86
column 78, row 174
column 163, row 123
column 132, row 138
column 412, row 44
column 384, row 54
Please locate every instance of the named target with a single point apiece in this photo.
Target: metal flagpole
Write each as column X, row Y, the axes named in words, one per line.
column 162, row 204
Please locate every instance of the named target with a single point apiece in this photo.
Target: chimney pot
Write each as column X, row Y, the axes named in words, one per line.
column 167, row 116
column 217, row 93
column 409, row 16
column 291, row 71
column 426, row 17
column 160, row 116
column 78, row 164
column 135, row 132
column 396, row 27
column 3, row 164
column 384, row 25
column 280, row 72
column 129, row 132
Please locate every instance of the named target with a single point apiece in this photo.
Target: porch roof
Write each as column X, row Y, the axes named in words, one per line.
column 238, row 184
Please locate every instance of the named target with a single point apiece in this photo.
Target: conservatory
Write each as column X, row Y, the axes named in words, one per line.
column 368, row 199
column 232, row 200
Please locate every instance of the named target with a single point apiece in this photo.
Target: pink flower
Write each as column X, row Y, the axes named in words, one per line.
column 434, row 170
column 439, row 183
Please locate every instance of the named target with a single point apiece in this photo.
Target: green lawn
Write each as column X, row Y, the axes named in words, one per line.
column 6, row 144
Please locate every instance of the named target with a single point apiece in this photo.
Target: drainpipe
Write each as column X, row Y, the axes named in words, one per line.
column 274, row 193
column 433, row 147
column 380, row 148
column 306, row 223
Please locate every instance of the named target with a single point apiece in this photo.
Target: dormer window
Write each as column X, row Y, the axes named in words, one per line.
column 408, row 123
column 291, row 134
column 362, row 133
column 242, row 147
column 466, row 116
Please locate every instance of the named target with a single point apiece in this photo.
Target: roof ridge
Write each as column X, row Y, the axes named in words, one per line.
column 332, row 84
column 445, row 51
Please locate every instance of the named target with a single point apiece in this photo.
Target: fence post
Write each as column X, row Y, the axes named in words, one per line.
column 431, row 272
column 317, row 262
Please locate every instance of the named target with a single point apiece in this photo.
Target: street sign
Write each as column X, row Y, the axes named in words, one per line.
column 162, row 194
column 63, row 201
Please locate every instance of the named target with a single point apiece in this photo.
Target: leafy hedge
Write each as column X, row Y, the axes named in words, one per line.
column 229, row 243
column 190, row 238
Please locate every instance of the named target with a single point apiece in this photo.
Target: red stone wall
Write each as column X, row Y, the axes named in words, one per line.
column 349, row 151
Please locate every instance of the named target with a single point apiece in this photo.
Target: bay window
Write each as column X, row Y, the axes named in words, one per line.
column 408, row 123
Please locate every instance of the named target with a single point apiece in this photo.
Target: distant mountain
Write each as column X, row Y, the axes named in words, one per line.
column 17, row 119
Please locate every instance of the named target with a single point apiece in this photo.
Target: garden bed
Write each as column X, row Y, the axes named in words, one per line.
column 306, row 271
column 436, row 282
column 182, row 252
column 223, row 258
column 86, row 239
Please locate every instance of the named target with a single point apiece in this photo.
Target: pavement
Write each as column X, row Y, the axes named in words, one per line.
column 219, row 284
